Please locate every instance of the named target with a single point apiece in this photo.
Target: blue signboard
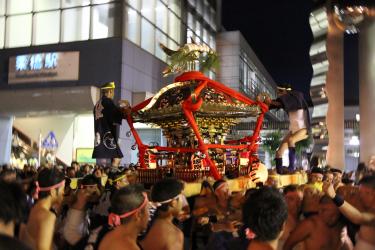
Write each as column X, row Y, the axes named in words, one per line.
column 50, row 142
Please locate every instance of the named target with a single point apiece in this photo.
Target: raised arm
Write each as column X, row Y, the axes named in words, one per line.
column 349, row 211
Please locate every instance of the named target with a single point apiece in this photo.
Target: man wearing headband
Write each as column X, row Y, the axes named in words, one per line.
column 81, row 216
column 312, row 192
column 116, row 180
column 107, row 116
column 296, row 107
column 40, row 228
column 129, row 216
column 163, row 234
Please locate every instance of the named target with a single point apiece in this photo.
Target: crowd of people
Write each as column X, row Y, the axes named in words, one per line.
column 42, row 209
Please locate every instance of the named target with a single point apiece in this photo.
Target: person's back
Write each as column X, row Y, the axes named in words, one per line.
column 163, row 233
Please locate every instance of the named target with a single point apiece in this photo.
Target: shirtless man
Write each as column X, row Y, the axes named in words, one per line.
column 328, row 176
column 40, row 229
column 223, row 209
column 264, row 215
column 366, row 235
column 163, row 234
column 129, row 217
column 322, row 231
column 337, row 178
column 293, row 197
column 312, row 192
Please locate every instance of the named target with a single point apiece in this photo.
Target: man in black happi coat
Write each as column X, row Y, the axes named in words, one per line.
column 107, row 116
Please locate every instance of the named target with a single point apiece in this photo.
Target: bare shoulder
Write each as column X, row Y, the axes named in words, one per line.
column 116, row 241
column 42, row 216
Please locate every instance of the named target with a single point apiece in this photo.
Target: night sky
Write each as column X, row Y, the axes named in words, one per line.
column 279, row 33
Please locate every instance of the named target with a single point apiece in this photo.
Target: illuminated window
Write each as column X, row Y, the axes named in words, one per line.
column 101, row 1
column 147, row 36
column 46, row 27
column 172, row 44
column 75, row 24
column 174, row 27
column 175, row 6
column 18, row 31
column 19, row 6
column 132, row 25
column 160, row 38
column 206, row 37
column 189, row 35
column 103, row 21
column 199, row 8
column 212, row 42
column 136, row 4
column 213, row 19
column 190, row 20
column 148, row 10
column 70, row 3
column 40, row 5
column 320, row 110
column 2, row 7
column 161, row 17
column 2, row 29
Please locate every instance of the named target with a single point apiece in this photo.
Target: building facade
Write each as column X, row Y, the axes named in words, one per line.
column 55, row 53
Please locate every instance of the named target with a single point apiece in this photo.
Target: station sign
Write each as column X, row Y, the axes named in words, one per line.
column 43, row 67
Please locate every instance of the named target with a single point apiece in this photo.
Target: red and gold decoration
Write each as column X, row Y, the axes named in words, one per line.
column 195, row 114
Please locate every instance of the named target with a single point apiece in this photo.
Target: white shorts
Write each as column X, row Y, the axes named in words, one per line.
column 297, row 120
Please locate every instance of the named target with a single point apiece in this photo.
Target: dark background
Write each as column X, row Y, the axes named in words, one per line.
column 279, row 32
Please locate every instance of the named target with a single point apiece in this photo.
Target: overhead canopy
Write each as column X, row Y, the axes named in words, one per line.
column 48, row 101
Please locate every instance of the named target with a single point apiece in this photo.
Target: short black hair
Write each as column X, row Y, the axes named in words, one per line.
column 74, row 162
column 7, row 243
column 290, row 188
column 335, row 170
column 91, row 179
column 49, row 177
column 127, row 199
column 368, row 181
column 317, row 170
column 13, row 202
column 6, row 172
column 166, row 189
column 265, row 212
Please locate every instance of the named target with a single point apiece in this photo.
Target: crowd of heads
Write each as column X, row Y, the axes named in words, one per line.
column 119, row 205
